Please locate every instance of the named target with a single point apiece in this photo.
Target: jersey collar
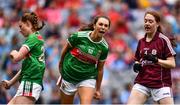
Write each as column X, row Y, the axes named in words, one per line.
column 92, row 40
column 154, row 38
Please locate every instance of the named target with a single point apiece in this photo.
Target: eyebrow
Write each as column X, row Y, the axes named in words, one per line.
column 103, row 23
column 149, row 19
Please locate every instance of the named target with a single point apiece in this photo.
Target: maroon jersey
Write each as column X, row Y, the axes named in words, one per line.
column 154, row 75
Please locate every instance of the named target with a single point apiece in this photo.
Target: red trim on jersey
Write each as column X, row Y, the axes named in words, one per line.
column 27, row 94
column 30, row 94
column 40, row 37
column 82, row 56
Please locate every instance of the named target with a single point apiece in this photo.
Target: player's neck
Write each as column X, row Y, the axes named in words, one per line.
column 31, row 32
column 150, row 36
column 94, row 37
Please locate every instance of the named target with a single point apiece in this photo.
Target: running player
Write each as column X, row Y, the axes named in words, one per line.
column 82, row 61
column 33, row 65
column 154, row 60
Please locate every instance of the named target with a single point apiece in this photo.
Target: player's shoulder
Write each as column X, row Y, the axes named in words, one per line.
column 142, row 38
column 104, row 43
column 164, row 37
column 83, row 33
column 35, row 37
column 32, row 37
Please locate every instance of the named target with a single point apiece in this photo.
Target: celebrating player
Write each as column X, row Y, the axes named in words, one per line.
column 82, row 61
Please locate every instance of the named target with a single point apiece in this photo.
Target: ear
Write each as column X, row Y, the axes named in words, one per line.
column 29, row 24
column 158, row 24
column 94, row 26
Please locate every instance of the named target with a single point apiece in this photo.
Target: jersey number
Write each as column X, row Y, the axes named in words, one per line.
column 41, row 57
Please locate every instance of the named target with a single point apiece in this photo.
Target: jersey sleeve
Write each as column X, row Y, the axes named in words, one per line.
column 30, row 42
column 168, row 50
column 104, row 55
column 73, row 39
column 137, row 53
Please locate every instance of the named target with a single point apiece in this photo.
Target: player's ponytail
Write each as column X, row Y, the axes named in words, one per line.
column 34, row 20
column 40, row 25
column 88, row 27
column 173, row 40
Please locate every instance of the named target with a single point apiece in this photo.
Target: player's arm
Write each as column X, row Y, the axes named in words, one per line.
column 18, row 55
column 65, row 49
column 99, row 79
column 15, row 78
column 100, row 75
column 8, row 83
column 168, row 63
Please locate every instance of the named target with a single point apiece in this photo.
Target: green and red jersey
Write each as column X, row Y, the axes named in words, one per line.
column 33, row 66
column 80, row 62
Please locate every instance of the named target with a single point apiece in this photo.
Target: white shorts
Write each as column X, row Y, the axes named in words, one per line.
column 31, row 89
column 70, row 89
column 157, row 94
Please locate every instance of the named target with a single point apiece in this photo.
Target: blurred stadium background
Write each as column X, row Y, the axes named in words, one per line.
column 62, row 17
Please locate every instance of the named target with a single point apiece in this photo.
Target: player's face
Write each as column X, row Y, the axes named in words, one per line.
column 25, row 29
column 150, row 24
column 101, row 26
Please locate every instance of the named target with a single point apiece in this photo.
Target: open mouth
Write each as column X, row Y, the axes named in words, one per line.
column 21, row 32
column 102, row 32
column 147, row 28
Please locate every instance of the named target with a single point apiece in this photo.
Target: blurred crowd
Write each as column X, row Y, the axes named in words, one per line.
column 63, row 17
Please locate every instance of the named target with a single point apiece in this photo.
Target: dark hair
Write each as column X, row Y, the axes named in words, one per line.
column 159, row 29
column 90, row 27
column 33, row 18
column 177, row 7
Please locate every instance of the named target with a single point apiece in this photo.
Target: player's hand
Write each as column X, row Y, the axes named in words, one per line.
column 151, row 57
column 97, row 95
column 137, row 67
column 6, row 84
column 13, row 53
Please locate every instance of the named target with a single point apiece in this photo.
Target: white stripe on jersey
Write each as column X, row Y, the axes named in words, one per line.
column 105, row 43
column 168, row 43
column 69, row 43
column 84, row 33
column 26, row 46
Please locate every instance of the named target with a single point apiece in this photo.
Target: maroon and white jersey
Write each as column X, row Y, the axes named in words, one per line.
column 154, row 75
